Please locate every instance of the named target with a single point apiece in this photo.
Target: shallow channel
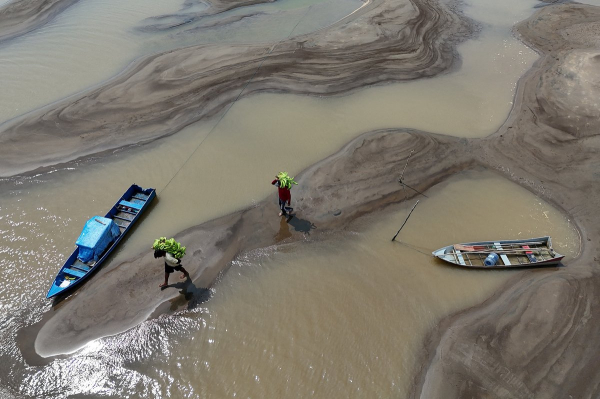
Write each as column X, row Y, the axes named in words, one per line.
column 286, row 315
column 343, row 317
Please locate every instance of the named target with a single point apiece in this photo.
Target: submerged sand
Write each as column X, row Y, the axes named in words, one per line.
column 535, row 338
column 19, row 17
column 387, row 41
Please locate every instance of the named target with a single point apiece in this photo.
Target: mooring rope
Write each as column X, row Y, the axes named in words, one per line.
column 415, row 249
column 236, row 99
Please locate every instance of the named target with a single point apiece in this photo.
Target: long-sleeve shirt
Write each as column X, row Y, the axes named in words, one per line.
column 284, row 193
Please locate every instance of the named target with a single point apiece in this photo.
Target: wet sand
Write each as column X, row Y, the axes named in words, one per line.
column 537, row 338
column 534, row 338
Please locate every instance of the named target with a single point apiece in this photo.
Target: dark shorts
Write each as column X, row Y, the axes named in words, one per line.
column 284, row 209
column 171, row 269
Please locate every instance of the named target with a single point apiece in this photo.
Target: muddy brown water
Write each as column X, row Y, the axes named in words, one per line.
column 341, row 317
column 92, row 41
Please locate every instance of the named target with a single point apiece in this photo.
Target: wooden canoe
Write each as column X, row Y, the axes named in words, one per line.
column 125, row 213
column 531, row 252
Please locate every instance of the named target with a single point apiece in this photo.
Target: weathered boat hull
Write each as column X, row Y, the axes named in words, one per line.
column 532, row 252
column 126, row 212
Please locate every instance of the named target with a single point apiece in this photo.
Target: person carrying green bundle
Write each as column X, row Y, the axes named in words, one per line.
column 172, row 252
column 284, row 183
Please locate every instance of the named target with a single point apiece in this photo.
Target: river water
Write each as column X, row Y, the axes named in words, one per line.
column 338, row 318
column 344, row 317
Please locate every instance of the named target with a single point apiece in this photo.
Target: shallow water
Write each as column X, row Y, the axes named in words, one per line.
column 262, row 23
column 344, row 317
column 227, row 167
column 84, row 45
column 473, row 101
column 590, row 2
column 281, row 321
column 93, row 40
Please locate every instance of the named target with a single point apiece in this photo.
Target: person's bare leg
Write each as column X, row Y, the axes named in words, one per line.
column 166, row 281
column 185, row 274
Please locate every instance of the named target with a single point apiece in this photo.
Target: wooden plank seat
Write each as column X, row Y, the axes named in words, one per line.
column 125, row 210
column 81, row 266
column 133, row 205
column 503, row 257
column 74, row 272
column 461, row 260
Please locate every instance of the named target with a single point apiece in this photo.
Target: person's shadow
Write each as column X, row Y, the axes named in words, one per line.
column 190, row 294
column 301, row 225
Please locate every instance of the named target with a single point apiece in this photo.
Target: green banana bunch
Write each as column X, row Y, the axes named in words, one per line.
column 285, row 180
column 171, row 246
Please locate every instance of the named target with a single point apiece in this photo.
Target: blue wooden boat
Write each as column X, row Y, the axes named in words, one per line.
column 108, row 231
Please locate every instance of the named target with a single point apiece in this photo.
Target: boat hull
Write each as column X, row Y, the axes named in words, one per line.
column 532, row 252
column 126, row 212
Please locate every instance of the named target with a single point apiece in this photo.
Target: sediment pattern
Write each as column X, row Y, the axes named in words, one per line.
column 186, row 16
column 21, row 16
column 538, row 339
column 364, row 167
column 387, row 41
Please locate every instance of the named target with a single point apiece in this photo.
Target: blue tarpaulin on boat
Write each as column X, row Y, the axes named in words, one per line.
column 96, row 236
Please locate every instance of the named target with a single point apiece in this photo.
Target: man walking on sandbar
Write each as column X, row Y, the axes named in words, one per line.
column 284, row 182
column 172, row 252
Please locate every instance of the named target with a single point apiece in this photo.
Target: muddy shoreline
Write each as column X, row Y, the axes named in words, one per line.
column 534, row 338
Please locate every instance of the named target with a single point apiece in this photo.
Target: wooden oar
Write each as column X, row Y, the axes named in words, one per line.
column 503, row 252
column 493, row 247
column 512, row 244
column 502, row 249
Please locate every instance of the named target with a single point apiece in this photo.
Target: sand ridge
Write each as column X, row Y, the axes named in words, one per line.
column 386, row 41
column 367, row 167
column 535, row 338
column 22, row 16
